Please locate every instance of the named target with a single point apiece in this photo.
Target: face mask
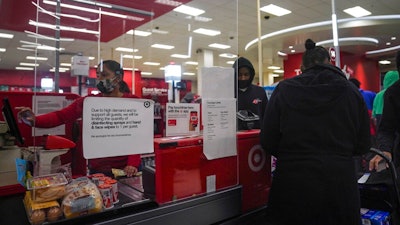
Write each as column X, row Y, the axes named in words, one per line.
column 243, row 83
column 106, row 86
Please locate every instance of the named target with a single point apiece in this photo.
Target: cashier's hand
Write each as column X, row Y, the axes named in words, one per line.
column 130, row 171
column 374, row 162
column 25, row 115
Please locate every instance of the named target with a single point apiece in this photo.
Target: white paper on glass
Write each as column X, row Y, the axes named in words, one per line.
column 42, row 104
column 117, row 126
column 219, row 132
column 217, row 82
column 182, row 119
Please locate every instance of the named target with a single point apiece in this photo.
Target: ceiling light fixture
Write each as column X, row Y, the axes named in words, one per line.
column 39, row 36
column 122, row 49
column 161, row 46
column 132, row 56
column 357, row 11
column 189, row 10
column 384, row 62
column 383, row 50
column 151, row 63
column 168, row 2
column 36, row 58
column 350, row 39
column 146, row 73
column 275, row 10
column 220, row 46
column 191, row 63
column 207, row 32
column 23, row 68
column 273, row 67
column 66, row 28
column 5, row 35
column 188, row 73
column 139, row 33
column 180, row 56
column 320, row 24
column 227, row 55
column 28, row 64
column 2, row 50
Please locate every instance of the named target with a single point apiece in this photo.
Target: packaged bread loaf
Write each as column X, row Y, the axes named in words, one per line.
column 47, row 187
column 82, row 197
column 39, row 213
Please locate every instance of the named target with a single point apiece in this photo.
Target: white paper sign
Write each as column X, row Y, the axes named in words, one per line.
column 219, row 133
column 42, row 104
column 182, row 119
column 218, row 82
column 117, row 126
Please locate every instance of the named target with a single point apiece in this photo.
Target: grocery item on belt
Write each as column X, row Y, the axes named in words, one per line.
column 82, row 197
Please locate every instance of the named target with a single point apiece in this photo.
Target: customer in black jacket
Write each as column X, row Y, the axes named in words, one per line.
column 249, row 96
column 389, row 128
column 314, row 124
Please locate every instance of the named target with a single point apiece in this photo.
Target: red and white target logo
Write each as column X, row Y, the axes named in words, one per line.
column 256, row 158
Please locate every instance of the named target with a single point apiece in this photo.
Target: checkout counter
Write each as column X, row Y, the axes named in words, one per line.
column 242, row 185
column 182, row 185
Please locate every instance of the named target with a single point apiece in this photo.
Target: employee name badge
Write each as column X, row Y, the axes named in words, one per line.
column 117, row 126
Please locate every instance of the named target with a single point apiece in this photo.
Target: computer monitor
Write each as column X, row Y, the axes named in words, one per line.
column 10, row 120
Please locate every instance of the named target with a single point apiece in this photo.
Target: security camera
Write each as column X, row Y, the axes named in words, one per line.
column 266, row 17
column 199, row 50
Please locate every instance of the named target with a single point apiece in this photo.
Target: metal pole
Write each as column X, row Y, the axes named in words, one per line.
column 335, row 35
column 260, row 60
column 57, row 66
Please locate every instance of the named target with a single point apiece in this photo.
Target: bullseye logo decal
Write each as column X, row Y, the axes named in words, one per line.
column 256, row 158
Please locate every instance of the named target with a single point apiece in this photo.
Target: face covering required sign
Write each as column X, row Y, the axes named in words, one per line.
column 117, row 126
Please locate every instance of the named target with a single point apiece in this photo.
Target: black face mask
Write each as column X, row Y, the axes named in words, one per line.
column 106, row 86
column 243, row 83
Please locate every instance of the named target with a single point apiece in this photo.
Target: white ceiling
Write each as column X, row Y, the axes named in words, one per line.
column 237, row 21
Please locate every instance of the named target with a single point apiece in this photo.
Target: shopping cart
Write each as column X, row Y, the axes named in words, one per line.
column 381, row 190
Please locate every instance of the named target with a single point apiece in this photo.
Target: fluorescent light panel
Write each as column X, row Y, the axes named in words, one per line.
column 122, row 49
column 192, row 63
column 132, row 56
column 273, row 67
column 2, row 50
column 36, row 58
column 180, row 56
column 384, row 62
column 23, row 68
column 275, row 10
column 220, row 46
column 207, row 32
column 189, row 10
column 227, row 55
column 146, row 73
column 5, row 35
column 161, row 46
column 28, row 64
column 139, row 33
column 151, row 63
column 357, row 12
column 188, row 73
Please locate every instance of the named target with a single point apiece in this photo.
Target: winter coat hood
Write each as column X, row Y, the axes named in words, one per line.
column 316, row 89
column 243, row 62
column 390, row 78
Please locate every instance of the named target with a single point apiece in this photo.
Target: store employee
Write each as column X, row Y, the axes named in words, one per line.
column 250, row 97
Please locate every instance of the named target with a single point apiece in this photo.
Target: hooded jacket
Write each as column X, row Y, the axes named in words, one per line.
column 390, row 78
column 314, row 124
column 253, row 98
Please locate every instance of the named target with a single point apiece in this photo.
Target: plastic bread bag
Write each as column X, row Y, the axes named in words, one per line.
column 82, row 198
